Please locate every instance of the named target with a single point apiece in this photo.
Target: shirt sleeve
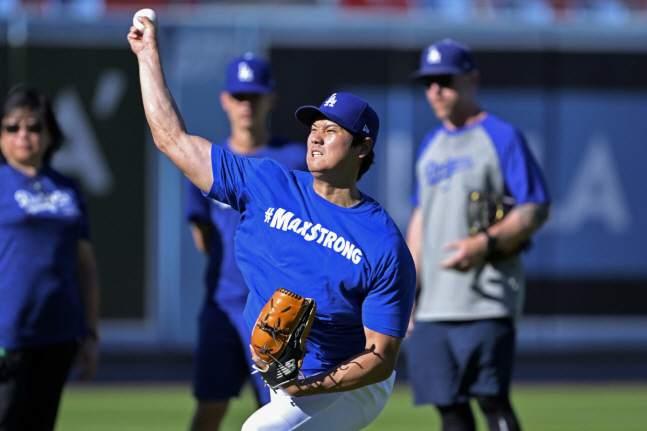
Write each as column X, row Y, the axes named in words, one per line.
column 229, row 174
column 522, row 175
column 234, row 176
column 387, row 307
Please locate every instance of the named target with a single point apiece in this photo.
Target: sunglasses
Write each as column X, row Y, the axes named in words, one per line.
column 250, row 97
column 443, row 81
column 31, row 128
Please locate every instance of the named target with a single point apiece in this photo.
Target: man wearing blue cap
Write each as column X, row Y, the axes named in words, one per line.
column 221, row 362
column 313, row 233
column 471, row 284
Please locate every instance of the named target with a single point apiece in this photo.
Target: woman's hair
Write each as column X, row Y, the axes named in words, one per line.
column 34, row 99
column 367, row 161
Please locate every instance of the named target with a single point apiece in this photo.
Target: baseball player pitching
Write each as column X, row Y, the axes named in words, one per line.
column 314, row 234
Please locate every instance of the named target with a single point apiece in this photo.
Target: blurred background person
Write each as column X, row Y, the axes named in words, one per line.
column 49, row 285
column 222, row 361
column 471, row 285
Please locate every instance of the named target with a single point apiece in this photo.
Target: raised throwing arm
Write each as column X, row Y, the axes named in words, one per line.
column 192, row 154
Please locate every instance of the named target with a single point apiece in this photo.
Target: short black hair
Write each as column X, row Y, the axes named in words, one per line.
column 34, row 99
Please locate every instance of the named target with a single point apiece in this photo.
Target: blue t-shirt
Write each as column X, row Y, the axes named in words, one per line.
column 223, row 279
column 42, row 219
column 352, row 261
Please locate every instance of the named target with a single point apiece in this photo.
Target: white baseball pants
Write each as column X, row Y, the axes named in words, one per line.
column 340, row 411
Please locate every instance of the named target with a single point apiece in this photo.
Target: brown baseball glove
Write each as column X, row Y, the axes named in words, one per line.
column 279, row 336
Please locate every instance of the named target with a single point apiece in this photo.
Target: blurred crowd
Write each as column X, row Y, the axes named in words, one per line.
column 611, row 12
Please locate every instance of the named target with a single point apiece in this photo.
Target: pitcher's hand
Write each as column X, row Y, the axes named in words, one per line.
column 141, row 41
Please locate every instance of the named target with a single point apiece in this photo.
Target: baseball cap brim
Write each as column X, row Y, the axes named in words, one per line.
column 248, row 88
column 307, row 115
column 441, row 70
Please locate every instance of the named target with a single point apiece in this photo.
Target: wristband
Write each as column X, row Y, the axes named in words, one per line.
column 492, row 244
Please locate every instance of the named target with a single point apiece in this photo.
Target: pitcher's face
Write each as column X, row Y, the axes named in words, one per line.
column 330, row 151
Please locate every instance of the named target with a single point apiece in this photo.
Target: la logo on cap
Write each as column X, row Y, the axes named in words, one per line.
column 331, row 100
column 365, row 129
column 245, row 73
column 433, row 56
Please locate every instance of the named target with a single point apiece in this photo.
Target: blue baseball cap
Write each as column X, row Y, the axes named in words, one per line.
column 249, row 74
column 445, row 57
column 347, row 110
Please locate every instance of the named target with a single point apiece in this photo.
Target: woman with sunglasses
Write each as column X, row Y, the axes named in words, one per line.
column 49, row 289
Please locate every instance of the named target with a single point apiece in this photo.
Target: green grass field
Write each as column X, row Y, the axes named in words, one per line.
column 541, row 407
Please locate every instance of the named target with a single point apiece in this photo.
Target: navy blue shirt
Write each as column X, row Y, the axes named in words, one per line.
column 42, row 219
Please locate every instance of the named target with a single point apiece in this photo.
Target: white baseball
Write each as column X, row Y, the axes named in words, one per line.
column 148, row 13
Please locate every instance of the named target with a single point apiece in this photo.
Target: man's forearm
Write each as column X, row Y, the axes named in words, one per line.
column 162, row 114
column 519, row 225
column 414, row 240
column 191, row 154
column 375, row 364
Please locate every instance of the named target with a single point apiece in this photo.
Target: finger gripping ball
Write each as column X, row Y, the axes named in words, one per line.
column 148, row 13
